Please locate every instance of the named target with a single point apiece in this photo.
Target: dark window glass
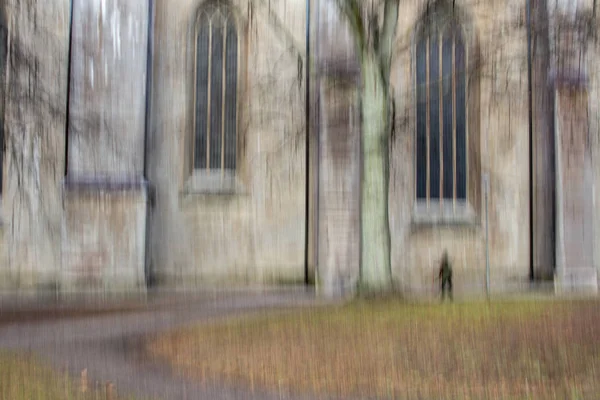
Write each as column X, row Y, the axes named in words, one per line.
column 441, row 137
column 3, row 39
column 461, row 123
column 434, row 118
column 202, row 52
column 216, row 95
column 231, row 98
column 216, row 91
column 421, row 119
column 448, row 131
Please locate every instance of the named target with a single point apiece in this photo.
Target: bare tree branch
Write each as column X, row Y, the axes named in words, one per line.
column 388, row 32
column 354, row 15
column 281, row 28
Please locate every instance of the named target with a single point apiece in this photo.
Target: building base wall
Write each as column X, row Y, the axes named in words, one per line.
column 103, row 237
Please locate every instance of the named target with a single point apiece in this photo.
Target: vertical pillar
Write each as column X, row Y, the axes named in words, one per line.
column 544, row 190
column 103, row 235
column 575, row 183
column 338, row 163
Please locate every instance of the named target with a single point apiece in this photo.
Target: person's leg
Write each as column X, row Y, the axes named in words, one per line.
column 443, row 288
column 450, row 288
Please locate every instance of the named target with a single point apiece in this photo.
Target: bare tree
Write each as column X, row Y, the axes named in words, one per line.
column 373, row 26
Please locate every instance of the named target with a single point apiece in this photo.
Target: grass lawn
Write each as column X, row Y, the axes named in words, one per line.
column 389, row 349
column 22, row 377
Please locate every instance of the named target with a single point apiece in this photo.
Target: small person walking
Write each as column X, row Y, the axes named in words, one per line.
column 445, row 275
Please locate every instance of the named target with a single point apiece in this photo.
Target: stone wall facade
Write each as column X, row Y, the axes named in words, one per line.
column 254, row 231
column 495, row 36
column 35, row 95
column 101, row 186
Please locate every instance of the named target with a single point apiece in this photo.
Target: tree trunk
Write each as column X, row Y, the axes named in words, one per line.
column 375, row 230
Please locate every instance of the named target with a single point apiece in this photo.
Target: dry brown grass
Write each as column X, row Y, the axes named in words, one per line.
column 389, row 349
column 24, row 377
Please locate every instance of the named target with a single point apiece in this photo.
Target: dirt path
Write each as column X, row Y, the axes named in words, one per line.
column 107, row 345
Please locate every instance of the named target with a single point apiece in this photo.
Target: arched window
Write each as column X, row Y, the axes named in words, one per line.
column 441, row 137
column 216, row 90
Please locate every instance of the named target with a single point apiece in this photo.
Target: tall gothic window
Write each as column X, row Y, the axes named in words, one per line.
column 216, row 90
column 441, row 145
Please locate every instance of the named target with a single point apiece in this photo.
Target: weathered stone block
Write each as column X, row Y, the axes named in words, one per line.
column 103, row 238
column 108, row 87
column 577, row 280
column 575, row 210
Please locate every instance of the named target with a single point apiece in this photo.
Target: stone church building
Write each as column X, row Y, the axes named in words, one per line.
column 194, row 143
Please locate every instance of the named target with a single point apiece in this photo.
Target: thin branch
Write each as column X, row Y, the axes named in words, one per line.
column 354, row 16
column 388, row 32
column 280, row 27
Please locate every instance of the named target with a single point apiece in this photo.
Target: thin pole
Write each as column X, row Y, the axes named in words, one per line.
column 68, row 111
column 149, row 69
column 531, row 185
column 317, row 196
column 487, row 237
column 307, row 167
column 148, row 273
